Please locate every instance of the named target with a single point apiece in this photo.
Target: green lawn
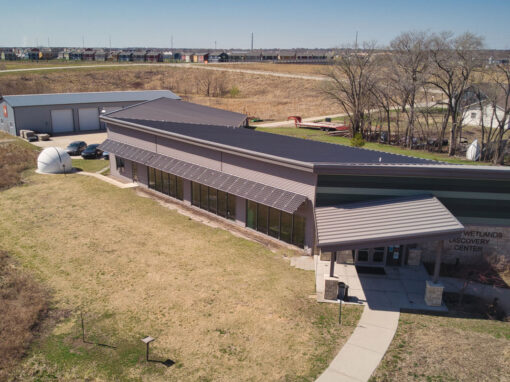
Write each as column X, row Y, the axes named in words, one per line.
column 90, row 165
column 321, row 136
column 221, row 307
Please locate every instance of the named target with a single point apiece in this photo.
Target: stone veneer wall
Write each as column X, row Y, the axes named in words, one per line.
column 475, row 243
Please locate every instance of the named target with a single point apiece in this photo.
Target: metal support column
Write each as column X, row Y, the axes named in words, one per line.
column 332, row 264
column 437, row 265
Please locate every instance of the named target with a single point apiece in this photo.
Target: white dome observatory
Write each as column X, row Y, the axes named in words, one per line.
column 54, row 160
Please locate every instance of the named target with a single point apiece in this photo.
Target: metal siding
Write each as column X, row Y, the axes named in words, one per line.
column 189, row 153
column 299, row 182
column 88, row 119
column 139, row 139
column 391, row 220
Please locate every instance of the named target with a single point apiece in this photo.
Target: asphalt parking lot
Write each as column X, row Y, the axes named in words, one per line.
column 63, row 141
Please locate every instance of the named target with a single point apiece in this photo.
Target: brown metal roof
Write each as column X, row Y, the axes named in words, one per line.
column 164, row 110
column 385, row 222
column 257, row 192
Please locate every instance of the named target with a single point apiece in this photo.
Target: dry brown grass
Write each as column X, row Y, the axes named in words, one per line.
column 266, row 97
column 23, row 305
column 222, row 307
column 304, row 69
column 434, row 348
column 15, row 157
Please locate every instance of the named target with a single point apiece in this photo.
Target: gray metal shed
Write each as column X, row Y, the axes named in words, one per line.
column 64, row 113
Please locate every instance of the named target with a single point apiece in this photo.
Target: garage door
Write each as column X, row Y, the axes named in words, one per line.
column 89, row 119
column 62, row 121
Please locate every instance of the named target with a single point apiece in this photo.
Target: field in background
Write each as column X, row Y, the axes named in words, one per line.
column 221, row 307
column 265, row 97
column 305, row 69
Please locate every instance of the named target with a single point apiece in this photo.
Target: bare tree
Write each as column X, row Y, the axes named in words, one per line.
column 350, row 82
column 453, row 61
column 494, row 105
column 411, row 60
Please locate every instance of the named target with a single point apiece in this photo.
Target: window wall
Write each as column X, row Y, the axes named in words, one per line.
column 278, row 224
column 166, row 183
column 213, row 200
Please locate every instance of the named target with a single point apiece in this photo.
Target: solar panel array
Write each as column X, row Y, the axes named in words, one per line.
column 270, row 196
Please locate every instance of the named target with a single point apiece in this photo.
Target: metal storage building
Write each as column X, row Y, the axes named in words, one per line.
column 64, row 113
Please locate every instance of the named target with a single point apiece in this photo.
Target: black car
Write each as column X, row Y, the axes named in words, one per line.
column 92, row 152
column 76, row 147
column 106, row 155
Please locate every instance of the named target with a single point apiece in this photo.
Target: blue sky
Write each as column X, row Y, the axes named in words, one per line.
column 283, row 24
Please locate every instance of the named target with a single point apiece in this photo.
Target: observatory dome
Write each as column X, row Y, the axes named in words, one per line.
column 54, row 160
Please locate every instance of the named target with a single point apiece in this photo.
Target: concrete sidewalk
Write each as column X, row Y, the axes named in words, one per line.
column 363, row 352
column 107, row 179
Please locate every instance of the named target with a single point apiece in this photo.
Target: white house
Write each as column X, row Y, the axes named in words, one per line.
column 472, row 115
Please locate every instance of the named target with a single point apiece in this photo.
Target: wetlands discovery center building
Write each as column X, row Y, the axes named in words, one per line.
column 371, row 206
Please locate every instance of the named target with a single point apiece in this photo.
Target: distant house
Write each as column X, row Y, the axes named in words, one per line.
column 237, row 55
column 253, row 56
column 270, row 55
column 199, row 57
column 112, row 56
column 286, row 55
column 125, row 56
column 48, row 54
column 8, row 55
column 63, row 55
column 139, row 56
column 185, row 57
column 89, row 54
column 153, row 56
column 100, row 55
column 167, row 56
column 75, row 55
column 486, row 111
column 34, row 54
column 218, row 56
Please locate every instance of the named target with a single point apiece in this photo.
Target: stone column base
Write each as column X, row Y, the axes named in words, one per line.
column 330, row 288
column 414, row 258
column 433, row 293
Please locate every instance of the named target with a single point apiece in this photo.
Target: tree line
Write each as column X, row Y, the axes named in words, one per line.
column 418, row 89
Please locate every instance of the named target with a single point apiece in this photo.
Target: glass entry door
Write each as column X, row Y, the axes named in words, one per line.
column 370, row 256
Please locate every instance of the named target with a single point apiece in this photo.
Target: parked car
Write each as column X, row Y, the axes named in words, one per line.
column 76, row 147
column 106, row 155
column 92, row 152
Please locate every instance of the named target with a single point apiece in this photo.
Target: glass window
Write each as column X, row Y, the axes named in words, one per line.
column 166, row 183
column 158, row 180
column 203, row 197
column 134, row 171
column 262, row 216
column 222, row 203
column 152, row 177
column 119, row 162
column 171, row 185
column 378, row 255
column 213, row 196
column 286, row 227
column 298, row 231
column 195, row 194
column 274, row 223
column 179, row 188
column 362, row 254
column 231, row 207
column 251, row 214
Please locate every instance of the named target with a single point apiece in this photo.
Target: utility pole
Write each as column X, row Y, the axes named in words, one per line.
column 251, row 40
column 48, row 42
column 83, row 41
column 356, row 43
column 110, row 40
column 172, row 42
column 214, row 44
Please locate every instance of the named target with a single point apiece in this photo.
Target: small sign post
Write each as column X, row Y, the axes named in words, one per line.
column 147, row 340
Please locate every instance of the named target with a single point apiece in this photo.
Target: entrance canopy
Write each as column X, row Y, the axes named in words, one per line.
column 386, row 222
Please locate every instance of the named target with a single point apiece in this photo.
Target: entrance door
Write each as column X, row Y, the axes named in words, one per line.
column 394, row 255
column 370, row 256
column 62, row 121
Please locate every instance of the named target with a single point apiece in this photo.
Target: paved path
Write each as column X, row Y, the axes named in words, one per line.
column 107, row 179
column 364, row 350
